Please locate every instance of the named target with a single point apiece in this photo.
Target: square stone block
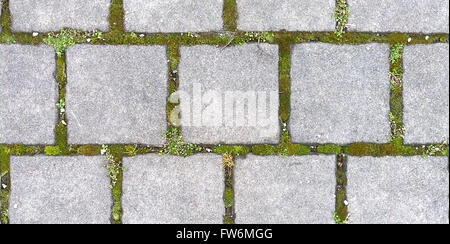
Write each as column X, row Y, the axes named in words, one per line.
column 173, row 190
column 292, row 190
column 414, row 16
column 229, row 95
column 290, row 15
column 28, row 94
column 52, row 15
column 59, row 190
column 173, row 15
column 426, row 93
column 340, row 93
column 116, row 94
column 398, row 190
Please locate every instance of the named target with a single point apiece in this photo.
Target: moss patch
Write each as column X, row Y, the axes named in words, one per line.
column 229, row 15
column 234, row 150
column 341, row 211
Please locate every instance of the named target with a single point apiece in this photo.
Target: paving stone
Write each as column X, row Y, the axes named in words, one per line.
column 52, row 15
column 59, row 190
column 339, row 93
column 426, row 93
column 290, row 15
column 426, row 16
column 170, row 189
column 28, row 94
column 239, row 87
column 277, row 190
column 398, row 190
column 116, row 94
column 173, row 15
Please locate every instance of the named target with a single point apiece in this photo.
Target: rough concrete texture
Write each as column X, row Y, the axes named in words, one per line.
column 240, row 94
column 59, row 190
column 169, row 189
column 291, row 15
column 277, row 190
column 426, row 93
column 28, row 94
column 398, row 190
column 426, row 16
column 173, row 15
column 339, row 93
column 116, row 94
column 52, row 15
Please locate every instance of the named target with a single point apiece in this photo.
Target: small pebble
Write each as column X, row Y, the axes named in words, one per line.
column 88, row 40
column 208, row 150
column 15, row 205
column 63, row 122
column 141, row 35
column 35, row 34
column 427, row 37
column 4, row 186
column 409, row 39
column 345, row 202
column 63, row 110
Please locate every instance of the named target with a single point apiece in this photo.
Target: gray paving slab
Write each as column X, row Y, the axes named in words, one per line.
column 52, row 15
column 339, row 93
column 173, row 190
column 173, row 15
column 116, row 94
column 398, row 190
column 416, row 16
column 59, row 190
column 28, row 94
column 231, row 94
column 290, row 15
column 277, row 190
column 426, row 93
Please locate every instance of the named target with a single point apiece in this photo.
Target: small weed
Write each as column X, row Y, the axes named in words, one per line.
column 61, row 41
column 396, row 52
column 61, row 104
column 8, row 39
column 131, row 150
column 257, row 36
column 341, row 12
column 4, row 214
column 227, row 162
column 175, row 144
column 114, row 166
column 395, row 79
column 397, row 130
column 338, row 219
column 432, row 150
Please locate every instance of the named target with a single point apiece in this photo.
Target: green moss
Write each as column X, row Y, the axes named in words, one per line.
column 4, row 160
column 329, row 149
column 235, row 150
column 229, row 15
column 6, row 18
column 284, row 66
column 341, row 211
column 229, row 197
column 116, row 16
column 396, row 52
column 228, row 220
column 52, row 150
column 61, row 41
column 89, row 150
column 20, row 150
column 175, row 144
column 61, row 137
column 116, row 214
column 264, row 149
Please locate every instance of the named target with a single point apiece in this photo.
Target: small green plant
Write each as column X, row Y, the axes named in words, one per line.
column 52, row 150
column 114, row 166
column 61, row 41
column 131, row 150
column 341, row 13
column 257, row 36
column 397, row 130
column 338, row 219
column 8, row 39
column 4, row 214
column 432, row 150
column 61, row 104
column 175, row 144
column 227, row 162
column 396, row 52
column 395, row 79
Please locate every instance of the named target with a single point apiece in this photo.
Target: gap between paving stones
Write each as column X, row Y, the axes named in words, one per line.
column 283, row 39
